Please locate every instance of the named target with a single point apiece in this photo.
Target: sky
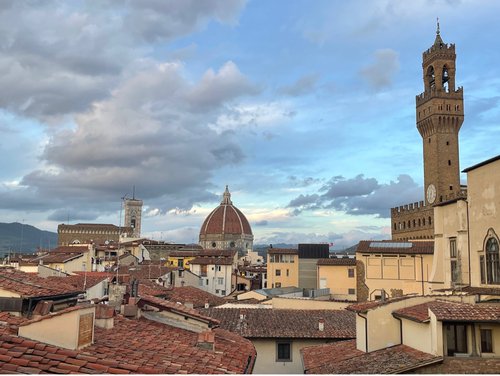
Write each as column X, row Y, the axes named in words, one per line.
column 305, row 109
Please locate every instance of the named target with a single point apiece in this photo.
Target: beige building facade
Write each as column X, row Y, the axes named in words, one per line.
column 282, row 267
column 338, row 275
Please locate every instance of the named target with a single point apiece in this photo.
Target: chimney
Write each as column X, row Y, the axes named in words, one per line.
column 104, row 316
column 206, row 340
column 321, row 325
column 207, row 304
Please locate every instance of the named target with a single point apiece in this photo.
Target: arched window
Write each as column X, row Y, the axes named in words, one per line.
column 430, row 77
column 492, row 261
column 446, row 78
column 430, row 221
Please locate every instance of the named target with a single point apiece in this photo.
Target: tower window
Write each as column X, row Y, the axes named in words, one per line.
column 449, row 162
column 492, row 261
column 447, row 142
column 423, row 221
column 429, row 140
column 451, row 187
column 430, row 221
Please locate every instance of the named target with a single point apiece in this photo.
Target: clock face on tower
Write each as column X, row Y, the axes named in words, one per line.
column 431, row 193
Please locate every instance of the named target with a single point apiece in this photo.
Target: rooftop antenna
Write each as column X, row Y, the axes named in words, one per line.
column 437, row 31
column 133, row 192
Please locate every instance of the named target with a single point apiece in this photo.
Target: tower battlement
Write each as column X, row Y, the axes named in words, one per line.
column 438, row 48
column 434, row 93
column 414, row 207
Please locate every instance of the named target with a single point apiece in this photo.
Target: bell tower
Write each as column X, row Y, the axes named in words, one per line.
column 440, row 114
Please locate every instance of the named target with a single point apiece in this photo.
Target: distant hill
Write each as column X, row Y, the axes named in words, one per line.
column 18, row 238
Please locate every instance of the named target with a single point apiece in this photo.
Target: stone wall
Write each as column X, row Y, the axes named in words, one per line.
column 362, row 290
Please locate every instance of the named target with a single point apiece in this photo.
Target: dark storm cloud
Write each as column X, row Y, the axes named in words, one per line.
column 137, row 121
column 359, row 196
column 143, row 135
column 59, row 57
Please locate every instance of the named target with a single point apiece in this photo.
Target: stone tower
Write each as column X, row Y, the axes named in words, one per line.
column 440, row 114
column 133, row 215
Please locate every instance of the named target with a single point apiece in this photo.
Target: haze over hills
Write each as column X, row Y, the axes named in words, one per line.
column 22, row 238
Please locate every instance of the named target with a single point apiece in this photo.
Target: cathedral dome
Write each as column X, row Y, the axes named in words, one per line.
column 226, row 227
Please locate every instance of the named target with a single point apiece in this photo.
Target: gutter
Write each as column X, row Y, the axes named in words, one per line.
column 366, row 331
column 411, row 368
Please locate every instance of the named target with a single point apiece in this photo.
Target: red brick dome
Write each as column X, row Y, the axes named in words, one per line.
column 226, row 219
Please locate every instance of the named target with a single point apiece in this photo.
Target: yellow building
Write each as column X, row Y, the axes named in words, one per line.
column 339, row 275
column 181, row 259
column 394, row 268
column 282, row 267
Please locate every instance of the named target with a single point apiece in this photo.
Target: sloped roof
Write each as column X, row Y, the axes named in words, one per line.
column 190, row 294
column 83, row 280
column 396, row 247
column 282, row 251
column 132, row 346
column 337, row 261
column 285, row 323
column 366, row 306
column 451, row 311
column 344, row 358
column 30, row 285
column 211, row 261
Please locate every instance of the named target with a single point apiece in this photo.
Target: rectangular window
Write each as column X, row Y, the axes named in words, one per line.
column 219, row 268
column 456, row 339
column 352, row 291
column 278, row 272
column 283, row 351
column 350, row 273
column 278, row 285
column 454, row 271
column 486, row 341
column 220, row 281
column 453, row 247
column 223, row 292
column 481, row 269
column 288, row 273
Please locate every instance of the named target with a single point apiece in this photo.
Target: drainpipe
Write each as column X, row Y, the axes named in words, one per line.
column 366, row 331
column 468, row 239
column 400, row 329
column 422, row 273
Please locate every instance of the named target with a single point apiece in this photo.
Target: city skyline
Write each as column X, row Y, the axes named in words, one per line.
column 306, row 111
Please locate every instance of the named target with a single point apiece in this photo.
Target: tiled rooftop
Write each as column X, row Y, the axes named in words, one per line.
column 337, row 261
column 132, row 346
column 366, row 306
column 189, row 294
column 58, row 257
column 396, row 247
column 344, row 358
column 451, row 311
column 282, row 251
column 166, row 305
column 285, row 323
column 30, row 285
column 211, row 261
column 82, row 280
column 150, row 271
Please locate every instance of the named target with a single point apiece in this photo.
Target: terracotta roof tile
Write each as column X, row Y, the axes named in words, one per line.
column 285, row 323
column 158, row 349
column 29, row 285
column 146, row 271
column 189, row 294
column 366, row 306
column 337, row 261
column 283, row 251
column 396, row 247
column 212, row 261
column 84, row 280
column 175, row 307
column 451, row 311
column 344, row 358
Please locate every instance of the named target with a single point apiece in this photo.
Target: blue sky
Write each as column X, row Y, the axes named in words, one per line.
column 306, row 109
